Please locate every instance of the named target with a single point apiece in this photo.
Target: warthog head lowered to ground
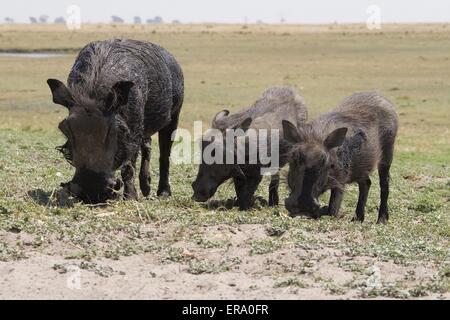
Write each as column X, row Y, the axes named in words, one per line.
column 210, row 174
column 92, row 129
column 309, row 170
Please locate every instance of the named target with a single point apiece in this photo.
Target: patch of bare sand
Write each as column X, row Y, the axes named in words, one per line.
column 288, row 273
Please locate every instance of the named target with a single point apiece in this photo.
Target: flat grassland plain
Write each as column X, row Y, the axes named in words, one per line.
column 54, row 247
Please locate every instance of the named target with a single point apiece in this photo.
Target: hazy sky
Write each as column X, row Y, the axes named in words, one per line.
column 234, row 11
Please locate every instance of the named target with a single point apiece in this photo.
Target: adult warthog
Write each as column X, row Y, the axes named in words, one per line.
column 266, row 114
column 119, row 93
column 338, row 148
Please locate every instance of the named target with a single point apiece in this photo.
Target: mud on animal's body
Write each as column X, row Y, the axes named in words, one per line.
column 120, row 92
column 338, row 148
column 267, row 113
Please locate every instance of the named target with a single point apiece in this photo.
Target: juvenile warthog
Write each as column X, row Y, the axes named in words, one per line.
column 267, row 113
column 338, row 148
column 120, row 92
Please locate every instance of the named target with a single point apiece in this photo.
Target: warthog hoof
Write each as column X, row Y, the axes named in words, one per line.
column 357, row 219
column 164, row 193
column 382, row 220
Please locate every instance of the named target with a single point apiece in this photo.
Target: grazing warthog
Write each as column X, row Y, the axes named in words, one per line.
column 267, row 113
column 338, row 148
column 120, row 92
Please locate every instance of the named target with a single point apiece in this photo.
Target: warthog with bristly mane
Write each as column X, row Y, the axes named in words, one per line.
column 119, row 93
column 266, row 114
column 338, row 148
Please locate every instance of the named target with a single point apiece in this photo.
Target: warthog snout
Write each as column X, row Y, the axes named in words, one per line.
column 305, row 207
column 202, row 193
column 102, row 192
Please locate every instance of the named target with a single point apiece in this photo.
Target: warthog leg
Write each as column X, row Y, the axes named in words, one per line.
column 383, row 214
column 127, row 172
column 144, row 173
column 364, row 186
column 383, row 172
column 334, row 204
column 245, row 189
column 165, row 146
column 273, row 190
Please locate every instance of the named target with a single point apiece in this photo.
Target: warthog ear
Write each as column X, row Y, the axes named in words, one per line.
column 61, row 95
column 335, row 138
column 244, row 125
column 219, row 117
column 290, row 132
column 119, row 95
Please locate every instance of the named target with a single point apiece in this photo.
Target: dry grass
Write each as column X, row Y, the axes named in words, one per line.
column 228, row 66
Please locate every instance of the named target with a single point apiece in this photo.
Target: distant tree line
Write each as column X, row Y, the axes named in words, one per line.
column 45, row 19
column 114, row 19
column 138, row 20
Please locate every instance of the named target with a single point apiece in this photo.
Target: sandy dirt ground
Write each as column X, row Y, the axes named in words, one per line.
column 284, row 274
